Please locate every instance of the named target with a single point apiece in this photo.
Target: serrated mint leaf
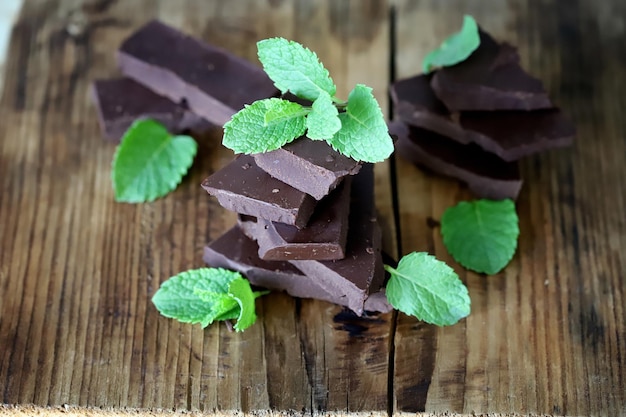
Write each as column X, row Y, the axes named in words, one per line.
column 279, row 111
column 428, row 289
column 247, row 131
column 323, row 120
column 481, row 235
column 239, row 289
column 456, row 48
column 294, row 68
column 150, row 162
column 363, row 135
column 196, row 296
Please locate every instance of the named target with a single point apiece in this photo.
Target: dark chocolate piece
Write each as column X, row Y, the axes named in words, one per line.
column 361, row 271
column 233, row 250
column 487, row 175
column 243, row 187
column 308, row 165
column 490, row 79
column 509, row 134
column 121, row 101
column 213, row 82
column 514, row 134
column 415, row 103
column 323, row 238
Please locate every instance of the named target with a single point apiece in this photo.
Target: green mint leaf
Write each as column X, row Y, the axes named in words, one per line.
column 323, row 121
column 149, row 162
column 363, row 135
column 198, row 296
column 481, row 235
column 239, row 289
column 456, row 48
column 294, row 68
column 248, row 132
column 279, row 111
column 428, row 289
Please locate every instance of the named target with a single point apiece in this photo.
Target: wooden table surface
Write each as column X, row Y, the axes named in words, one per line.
column 77, row 270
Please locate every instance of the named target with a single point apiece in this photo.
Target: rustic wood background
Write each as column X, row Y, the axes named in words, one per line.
column 77, row 270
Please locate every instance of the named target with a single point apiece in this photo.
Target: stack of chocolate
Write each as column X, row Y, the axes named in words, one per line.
column 307, row 221
column 307, row 224
column 473, row 121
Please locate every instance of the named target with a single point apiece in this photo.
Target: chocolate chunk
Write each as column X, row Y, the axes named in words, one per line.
column 243, row 187
column 487, row 175
column 415, row 103
column 323, row 238
column 121, row 101
column 490, row 79
column 233, row 250
column 509, row 134
column 308, row 165
column 361, row 271
column 214, row 83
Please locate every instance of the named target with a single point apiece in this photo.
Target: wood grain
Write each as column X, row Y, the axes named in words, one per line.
column 547, row 334
column 77, row 270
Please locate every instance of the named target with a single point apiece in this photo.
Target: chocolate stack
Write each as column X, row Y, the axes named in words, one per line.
column 473, row 121
column 307, row 224
column 307, row 221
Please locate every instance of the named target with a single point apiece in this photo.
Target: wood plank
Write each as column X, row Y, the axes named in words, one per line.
column 547, row 334
column 77, row 270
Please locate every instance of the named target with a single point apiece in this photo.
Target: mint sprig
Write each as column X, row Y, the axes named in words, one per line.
column 428, row 289
column 481, row 235
column 456, row 48
column 264, row 125
column 205, row 295
column 150, row 162
column 356, row 129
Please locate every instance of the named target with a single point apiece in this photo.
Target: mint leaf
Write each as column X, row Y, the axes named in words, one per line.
column 428, row 289
column 456, row 48
column 248, row 131
column 363, row 135
column 239, row 289
column 149, row 162
column 294, row 68
column 279, row 111
column 481, row 235
column 205, row 295
column 323, row 121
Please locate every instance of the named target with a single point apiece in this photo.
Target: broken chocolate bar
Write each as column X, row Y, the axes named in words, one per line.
column 509, row 134
column 361, row 271
column 487, row 175
column 214, row 83
column 323, row 238
column 489, row 79
column 234, row 250
column 243, row 187
column 121, row 101
column 308, row 165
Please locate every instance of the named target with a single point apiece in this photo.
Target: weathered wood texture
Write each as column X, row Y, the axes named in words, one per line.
column 77, row 270
column 546, row 335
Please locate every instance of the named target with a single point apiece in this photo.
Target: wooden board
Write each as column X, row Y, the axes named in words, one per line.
column 77, row 270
